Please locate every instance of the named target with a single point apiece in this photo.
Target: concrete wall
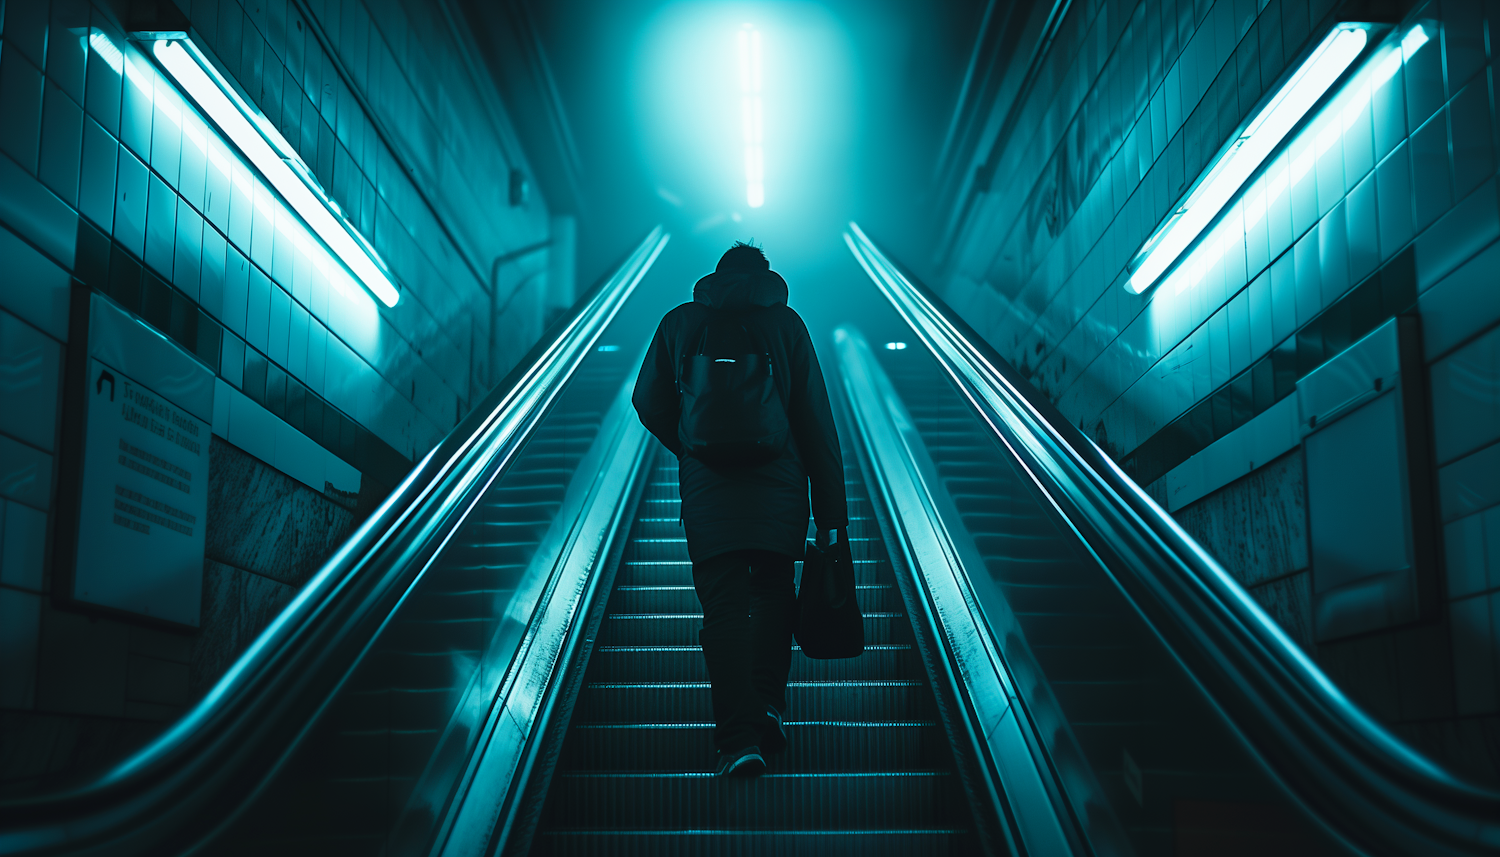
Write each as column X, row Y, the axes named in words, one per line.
column 111, row 182
column 1386, row 203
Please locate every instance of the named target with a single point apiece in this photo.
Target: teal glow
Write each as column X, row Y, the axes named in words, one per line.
column 752, row 116
column 265, row 148
column 107, row 51
column 737, row 154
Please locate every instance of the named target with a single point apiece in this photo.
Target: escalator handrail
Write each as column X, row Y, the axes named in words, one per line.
column 1017, row 780
column 191, row 779
column 1362, row 781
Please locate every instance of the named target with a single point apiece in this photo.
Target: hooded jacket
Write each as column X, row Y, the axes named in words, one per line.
column 749, row 508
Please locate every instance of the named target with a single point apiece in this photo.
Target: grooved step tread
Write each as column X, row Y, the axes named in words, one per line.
column 867, row 770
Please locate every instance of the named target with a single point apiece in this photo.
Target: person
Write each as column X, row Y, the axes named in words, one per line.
column 746, row 525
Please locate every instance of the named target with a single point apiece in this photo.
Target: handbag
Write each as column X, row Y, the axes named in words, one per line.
column 829, row 624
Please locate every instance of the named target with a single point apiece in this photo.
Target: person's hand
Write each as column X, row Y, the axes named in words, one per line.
column 828, row 538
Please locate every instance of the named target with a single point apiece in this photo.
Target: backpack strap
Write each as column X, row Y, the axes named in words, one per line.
column 750, row 336
column 702, row 344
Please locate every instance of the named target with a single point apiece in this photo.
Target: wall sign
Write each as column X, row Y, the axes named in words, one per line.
column 145, row 501
column 1371, row 513
column 133, row 475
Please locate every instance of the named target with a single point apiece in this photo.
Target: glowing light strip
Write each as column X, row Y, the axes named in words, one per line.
column 265, row 148
column 1245, row 155
column 751, row 117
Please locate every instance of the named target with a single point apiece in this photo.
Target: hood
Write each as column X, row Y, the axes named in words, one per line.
column 740, row 289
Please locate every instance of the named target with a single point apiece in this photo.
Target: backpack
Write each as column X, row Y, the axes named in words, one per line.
column 732, row 413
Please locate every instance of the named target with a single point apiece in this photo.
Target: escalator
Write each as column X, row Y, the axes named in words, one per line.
column 1163, row 776
column 1116, row 685
column 867, row 770
column 503, row 660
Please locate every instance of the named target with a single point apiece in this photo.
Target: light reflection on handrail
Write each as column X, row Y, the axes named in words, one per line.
column 1363, row 782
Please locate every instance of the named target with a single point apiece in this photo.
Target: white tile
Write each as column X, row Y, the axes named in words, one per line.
column 263, row 228
column 1466, row 398
column 1218, row 348
column 25, row 546
column 296, row 361
column 280, row 322
column 1474, row 654
column 299, row 457
column 341, row 474
column 1492, row 547
column 25, row 474
column 1471, row 225
column 1464, row 543
column 31, row 210
column 33, row 287
column 1239, row 333
column 317, row 351
column 1462, row 304
column 118, row 339
column 341, row 381
column 222, row 393
column 265, row 436
column 253, row 428
column 30, row 373
column 232, row 360
column 1248, row 447
column 20, row 623
column 1470, row 484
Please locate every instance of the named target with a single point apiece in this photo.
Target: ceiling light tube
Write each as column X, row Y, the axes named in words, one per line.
column 752, row 117
column 269, row 153
column 1246, row 153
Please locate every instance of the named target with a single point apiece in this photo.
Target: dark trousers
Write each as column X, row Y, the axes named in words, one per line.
column 749, row 611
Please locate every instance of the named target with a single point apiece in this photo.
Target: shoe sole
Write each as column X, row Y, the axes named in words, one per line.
column 748, row 765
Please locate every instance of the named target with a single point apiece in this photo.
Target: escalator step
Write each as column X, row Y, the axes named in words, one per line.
column 741, row 843
column 682, row 628
column 679, row 572
column 868, row 768
column 797, row 801
column 685, row 663
column 812, row 746
column 681, row 598
column 871, row 699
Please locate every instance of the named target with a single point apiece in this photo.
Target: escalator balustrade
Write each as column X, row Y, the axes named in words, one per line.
column 381, row 760
column 1171, row 776
column 1247, row 745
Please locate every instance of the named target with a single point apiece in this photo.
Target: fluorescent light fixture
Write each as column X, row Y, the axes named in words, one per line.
column 1245, row 155
column 269, row 152
column 895, row 346
column 751, row 116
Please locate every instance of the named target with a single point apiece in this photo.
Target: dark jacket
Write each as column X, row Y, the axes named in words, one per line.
column 765, row 507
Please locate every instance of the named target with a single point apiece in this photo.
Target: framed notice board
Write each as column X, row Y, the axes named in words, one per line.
column 134, row 493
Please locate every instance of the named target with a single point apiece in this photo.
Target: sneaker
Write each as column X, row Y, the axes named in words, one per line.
column 742, row 763
column 773, row 736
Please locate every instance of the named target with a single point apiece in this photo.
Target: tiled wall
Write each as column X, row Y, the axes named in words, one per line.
column 110, row 180
column 1385, row 203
